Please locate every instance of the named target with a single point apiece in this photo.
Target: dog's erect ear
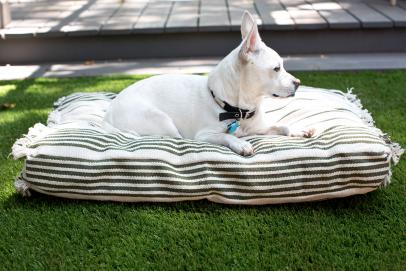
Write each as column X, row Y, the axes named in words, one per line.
column 246, row 24
column 250, row 35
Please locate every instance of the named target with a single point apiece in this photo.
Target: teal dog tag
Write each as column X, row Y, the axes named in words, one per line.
column 232, row 127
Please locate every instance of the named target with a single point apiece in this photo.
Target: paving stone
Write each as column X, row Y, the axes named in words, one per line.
column 81, row 29
column 340, row 19
column 116, row 29
column 49, row 32
column 236, row 10
column 18, row 32
column 71, row 16
column 154, row 17
column 102, row 14
column 105, row 6
column 184, row 17
column 334, row 14
column 34, row 15
column 118, row 26
column 26, row 23
column 396, row 14
column 131, row 9
column 303, row 14
column 274, row 16
column 213, row 16
column 368, row 17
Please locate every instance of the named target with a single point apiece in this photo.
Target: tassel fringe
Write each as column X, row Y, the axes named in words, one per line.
column 22, row 187
column 21, row 147
column 396, row 150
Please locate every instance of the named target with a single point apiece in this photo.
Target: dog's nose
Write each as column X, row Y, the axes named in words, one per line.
column 296, row 82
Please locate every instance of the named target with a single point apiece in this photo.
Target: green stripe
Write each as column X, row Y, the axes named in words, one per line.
column 334, row 118
column 255, row 168
column 82, row 102
column 70, row 131
column 84, row 95
column 155, row 197
column 31, row 179
column 288, row 114
column 316, row 143
column 99, row 142
column 209, row 148
column 322, row 112
column 216, row 189
column 247, row 176
column 103, row 138
column 71, row 101
column 108, row 138
column 286, row 160
column 328, row 134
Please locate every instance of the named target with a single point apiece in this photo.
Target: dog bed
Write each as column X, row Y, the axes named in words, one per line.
column 74, row 157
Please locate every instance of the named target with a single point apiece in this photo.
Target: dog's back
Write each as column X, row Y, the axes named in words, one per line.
column 154, row 105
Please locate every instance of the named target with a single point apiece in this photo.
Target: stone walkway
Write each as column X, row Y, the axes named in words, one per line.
column 340, row 62
column 117, row 17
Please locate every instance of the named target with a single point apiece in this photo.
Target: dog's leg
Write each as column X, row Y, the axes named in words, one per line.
column 236, row 144
column 159, row 123
column 277, row 130
column 143, row 119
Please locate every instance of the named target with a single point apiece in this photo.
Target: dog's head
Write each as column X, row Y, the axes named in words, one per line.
column 261, row 68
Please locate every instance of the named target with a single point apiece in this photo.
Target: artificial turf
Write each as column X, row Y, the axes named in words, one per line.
column 355, row 233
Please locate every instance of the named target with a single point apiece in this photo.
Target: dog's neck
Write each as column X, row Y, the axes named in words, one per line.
column 228, row 84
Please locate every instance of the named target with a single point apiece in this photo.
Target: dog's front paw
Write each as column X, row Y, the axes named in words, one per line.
column 242, row 147
column 307, row 133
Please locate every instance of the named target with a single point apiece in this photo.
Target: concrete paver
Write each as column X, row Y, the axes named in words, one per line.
column 339, row 62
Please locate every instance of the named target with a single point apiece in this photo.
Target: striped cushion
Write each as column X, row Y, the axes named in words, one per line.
column 74, row 157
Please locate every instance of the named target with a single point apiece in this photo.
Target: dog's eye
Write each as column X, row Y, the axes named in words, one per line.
column 277, row 68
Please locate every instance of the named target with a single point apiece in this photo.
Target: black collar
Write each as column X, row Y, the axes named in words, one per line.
column 232, row 111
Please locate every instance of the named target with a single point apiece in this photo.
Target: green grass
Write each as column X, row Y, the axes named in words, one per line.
column 356, row 233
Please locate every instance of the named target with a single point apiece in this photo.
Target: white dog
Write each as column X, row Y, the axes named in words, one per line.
column 219, row 108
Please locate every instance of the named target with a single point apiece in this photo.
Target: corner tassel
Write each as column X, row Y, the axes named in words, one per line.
column 21, row 147
column 22, row 187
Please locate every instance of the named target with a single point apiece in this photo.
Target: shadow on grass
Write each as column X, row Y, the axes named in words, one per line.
column 37, row 201
column 41, row 93
column 15, row 127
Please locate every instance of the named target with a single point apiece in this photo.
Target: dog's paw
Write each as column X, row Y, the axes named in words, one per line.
column 309, row 132
column 242, row 147
column 304, row 133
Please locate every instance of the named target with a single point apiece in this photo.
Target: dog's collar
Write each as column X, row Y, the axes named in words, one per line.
column 232, row 112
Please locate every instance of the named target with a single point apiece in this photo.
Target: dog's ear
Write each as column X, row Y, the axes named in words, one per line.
column 251, row 38
column 246, row 24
